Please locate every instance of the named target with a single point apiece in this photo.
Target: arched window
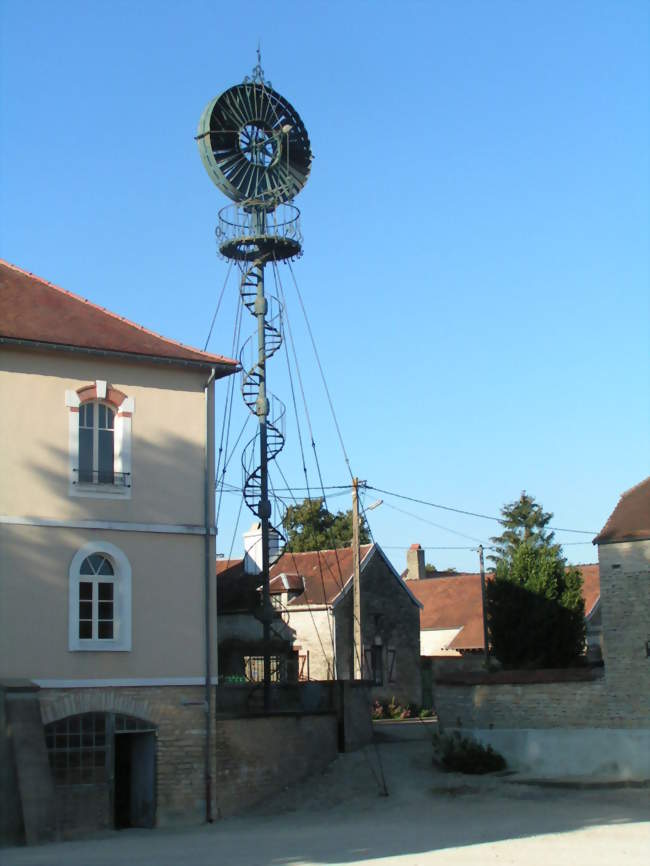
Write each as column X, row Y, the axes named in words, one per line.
column 100, row 441
column 96, row 443
column 99, row 599
column 96, row 599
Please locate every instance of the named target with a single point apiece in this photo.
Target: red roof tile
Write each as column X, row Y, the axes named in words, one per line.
column 35, row 310
column 630, row 520
column 322, row 575
column 455, row 602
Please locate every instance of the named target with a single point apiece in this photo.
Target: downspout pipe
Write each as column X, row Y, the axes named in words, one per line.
column 208, row 577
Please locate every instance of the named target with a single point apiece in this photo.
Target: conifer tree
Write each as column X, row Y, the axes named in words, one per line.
column 524, row 521
column 535, row 607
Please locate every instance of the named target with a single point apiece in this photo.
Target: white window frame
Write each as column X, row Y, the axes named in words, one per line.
column 121, row 641
column 122, row 428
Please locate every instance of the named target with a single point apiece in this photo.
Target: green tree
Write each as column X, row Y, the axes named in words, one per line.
column 535, row 609
column 310, row 526
column 524, row 522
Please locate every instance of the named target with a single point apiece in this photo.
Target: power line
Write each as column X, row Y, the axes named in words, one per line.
column 468, row 513
column 431, row 523
column 429, row 547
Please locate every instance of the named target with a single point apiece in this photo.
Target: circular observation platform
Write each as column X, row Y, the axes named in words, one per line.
column 250, row 233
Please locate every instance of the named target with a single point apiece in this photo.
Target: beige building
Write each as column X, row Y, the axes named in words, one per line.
column 107, row 549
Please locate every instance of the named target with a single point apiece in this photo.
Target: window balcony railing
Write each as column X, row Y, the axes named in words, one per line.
column 102, row 477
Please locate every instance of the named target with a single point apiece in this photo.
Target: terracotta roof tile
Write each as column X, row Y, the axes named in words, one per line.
column 630, row 520
column 35, row 310
column 455, row 602
column 323, row 573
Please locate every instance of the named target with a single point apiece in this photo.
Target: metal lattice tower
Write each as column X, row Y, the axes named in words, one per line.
column 256, row 150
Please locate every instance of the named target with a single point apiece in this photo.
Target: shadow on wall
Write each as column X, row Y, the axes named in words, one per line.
column 166, row 484
column 167, row 477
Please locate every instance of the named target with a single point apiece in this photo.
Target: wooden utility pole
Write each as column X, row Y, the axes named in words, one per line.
column 357, row 645
column 483, row 605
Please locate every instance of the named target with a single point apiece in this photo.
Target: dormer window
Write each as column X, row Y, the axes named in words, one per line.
column 100, row 441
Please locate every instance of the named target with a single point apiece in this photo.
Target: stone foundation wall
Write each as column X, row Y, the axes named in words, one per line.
column 178, row 714
column 251, row 757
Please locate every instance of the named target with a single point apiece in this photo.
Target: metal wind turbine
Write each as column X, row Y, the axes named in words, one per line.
column 255, row 148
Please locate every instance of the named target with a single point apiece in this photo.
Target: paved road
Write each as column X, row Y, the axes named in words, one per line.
column 428, row 818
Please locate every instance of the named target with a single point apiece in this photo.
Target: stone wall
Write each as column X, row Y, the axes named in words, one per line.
column 625, row 606
column 178, row 715
column 256, row 757
column 533, row 699
column 251, row 757
column 389, row 618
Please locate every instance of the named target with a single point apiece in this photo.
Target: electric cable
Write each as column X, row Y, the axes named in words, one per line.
column 320, row 367
column 431, row 523
column 223, row 289
column 469, row 513
column 282, row 295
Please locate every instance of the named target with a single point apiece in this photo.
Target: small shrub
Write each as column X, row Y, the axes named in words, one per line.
column 425, row 713
column 378, row 711
column 463, row 755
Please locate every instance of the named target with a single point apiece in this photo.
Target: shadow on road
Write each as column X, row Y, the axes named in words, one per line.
column 340, row 817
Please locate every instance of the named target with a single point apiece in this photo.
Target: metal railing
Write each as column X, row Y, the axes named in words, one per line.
column 237, row 223
column 102, row 477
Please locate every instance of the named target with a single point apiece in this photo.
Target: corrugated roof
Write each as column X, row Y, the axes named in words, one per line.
column 630, row 520
column 34, row 310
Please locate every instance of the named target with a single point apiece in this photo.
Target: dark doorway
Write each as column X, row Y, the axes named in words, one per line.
column 135, row 773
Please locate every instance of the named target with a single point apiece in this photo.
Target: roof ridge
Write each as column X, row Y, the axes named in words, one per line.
column 113, row 315
column 322, row 550
column 635, row 487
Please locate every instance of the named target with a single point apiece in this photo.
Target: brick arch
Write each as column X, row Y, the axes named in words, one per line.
column 113, row 395
column 95, row 701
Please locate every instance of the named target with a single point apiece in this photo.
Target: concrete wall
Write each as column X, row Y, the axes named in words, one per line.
column 390, row 618
column 601, row 753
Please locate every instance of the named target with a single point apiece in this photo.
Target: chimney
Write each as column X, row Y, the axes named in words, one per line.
column 415, row 563
column 253, row 548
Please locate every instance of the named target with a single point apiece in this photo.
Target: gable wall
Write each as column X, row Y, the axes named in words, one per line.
column 388, row 616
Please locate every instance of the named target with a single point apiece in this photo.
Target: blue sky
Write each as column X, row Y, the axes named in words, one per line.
column 475, row 228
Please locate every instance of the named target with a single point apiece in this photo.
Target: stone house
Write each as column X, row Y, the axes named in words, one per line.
column 107, row 621
column 312, row 594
